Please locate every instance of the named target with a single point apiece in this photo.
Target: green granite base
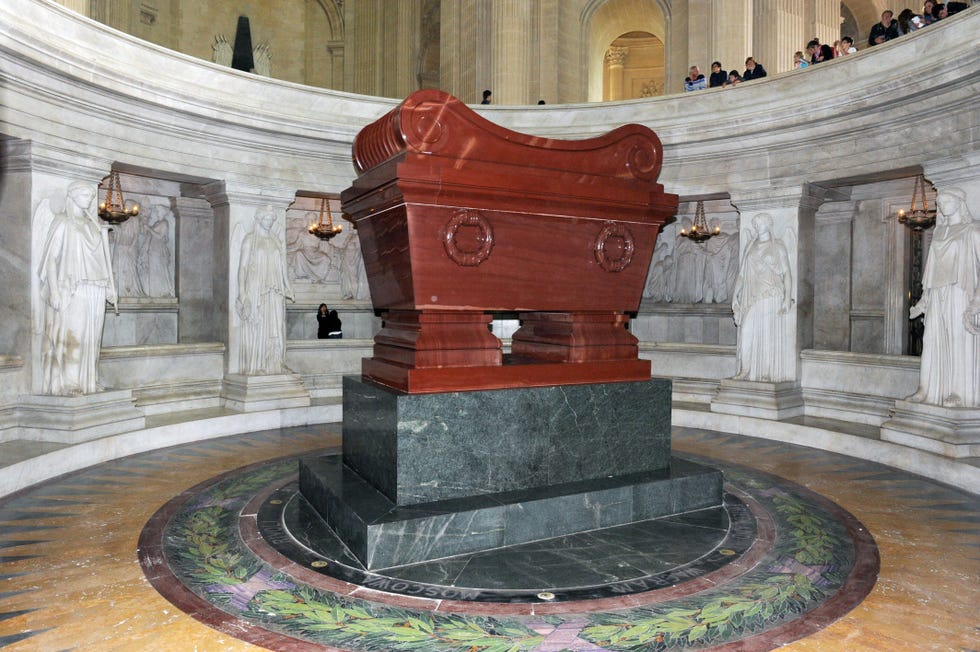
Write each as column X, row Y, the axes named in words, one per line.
column 418, row 448
column 435, row 475
column 382, row 534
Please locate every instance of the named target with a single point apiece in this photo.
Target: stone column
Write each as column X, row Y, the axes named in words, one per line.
column 950, row 426
column 729, row 34
column 195, row 276
column 334, row 75
column 238, row 209
column 465, row 48
column 81, row 6
column 821, row 19
column 698, row 32
column 400, row 47
column 832, row 276
column 615, row 60
column 114, row 13
column 18, row 342
column 898, row 255
column 546, row 46
column 512, row 27
column 777, row 30
column 773, row 328
column 363, row 30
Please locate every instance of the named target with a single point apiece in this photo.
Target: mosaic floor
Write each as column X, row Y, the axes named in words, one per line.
column 70, row 577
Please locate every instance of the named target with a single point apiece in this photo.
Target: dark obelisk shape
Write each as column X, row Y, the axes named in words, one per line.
column 241, row 59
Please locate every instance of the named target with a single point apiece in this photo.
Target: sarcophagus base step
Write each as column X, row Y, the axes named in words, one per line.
column 515, row 372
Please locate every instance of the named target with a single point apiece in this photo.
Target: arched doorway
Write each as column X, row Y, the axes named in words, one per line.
column 633, row 67
column 606, row 21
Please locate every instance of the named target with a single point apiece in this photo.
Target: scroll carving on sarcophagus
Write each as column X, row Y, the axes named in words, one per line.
column 459, row 217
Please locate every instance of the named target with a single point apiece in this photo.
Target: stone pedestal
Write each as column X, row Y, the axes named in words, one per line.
column 73, row 419
column 750, row 398
column 257, row 393
column 952, row 432
column 433, row 475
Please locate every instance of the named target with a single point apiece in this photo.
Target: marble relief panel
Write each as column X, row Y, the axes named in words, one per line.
column 323, row 270
column 688, row 292
column 685, row 272
column 143, row 251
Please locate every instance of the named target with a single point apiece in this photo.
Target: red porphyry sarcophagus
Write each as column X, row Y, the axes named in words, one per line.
column 459, row 217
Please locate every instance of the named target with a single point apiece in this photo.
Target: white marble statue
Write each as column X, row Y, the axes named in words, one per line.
column 263, row 283
column 156, row 262
column 75, row 274
column 262, row 60
column 309, row 258
column 659, row 281
column 689, row 268
column 223, row 51
column 950, row 367
column 762, row 299
column 125, row 258
column 353, row 275
column 721, row 267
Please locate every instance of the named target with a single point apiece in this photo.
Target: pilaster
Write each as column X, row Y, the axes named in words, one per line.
column 400, row 43
column 195, row 260
column 512, row 21
column 51, row 171
column 239, row 208
column 777, row 30
column 730, row 34
column 947, row 430
column 770, row 335
column 236, row 209
column 821, row 20
column 698, row 18
column 465, row 52
column 832, row 276
column 616, row 61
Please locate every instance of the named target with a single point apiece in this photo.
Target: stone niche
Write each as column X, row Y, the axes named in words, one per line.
column 449, row 446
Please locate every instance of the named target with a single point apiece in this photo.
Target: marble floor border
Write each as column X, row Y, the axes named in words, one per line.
column 859, row 582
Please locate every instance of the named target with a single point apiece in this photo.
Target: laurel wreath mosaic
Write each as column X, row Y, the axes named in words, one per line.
column 808, row 563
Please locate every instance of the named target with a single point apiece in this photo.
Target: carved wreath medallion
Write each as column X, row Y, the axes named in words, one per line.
column 614, row 247
column 468, row 238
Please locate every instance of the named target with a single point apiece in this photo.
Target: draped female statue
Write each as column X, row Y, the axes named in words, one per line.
column 762, row 299
column 125, row 259
column 157, row 263
column 263, row 282
column 76, row 280
column 950, row 368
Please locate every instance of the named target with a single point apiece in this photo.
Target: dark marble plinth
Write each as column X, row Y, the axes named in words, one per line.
column 419, row 448
column 426, row 476
column 382, row 534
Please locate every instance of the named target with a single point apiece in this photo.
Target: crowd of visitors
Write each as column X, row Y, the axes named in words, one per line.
column 720, row 78
column 816, row 52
